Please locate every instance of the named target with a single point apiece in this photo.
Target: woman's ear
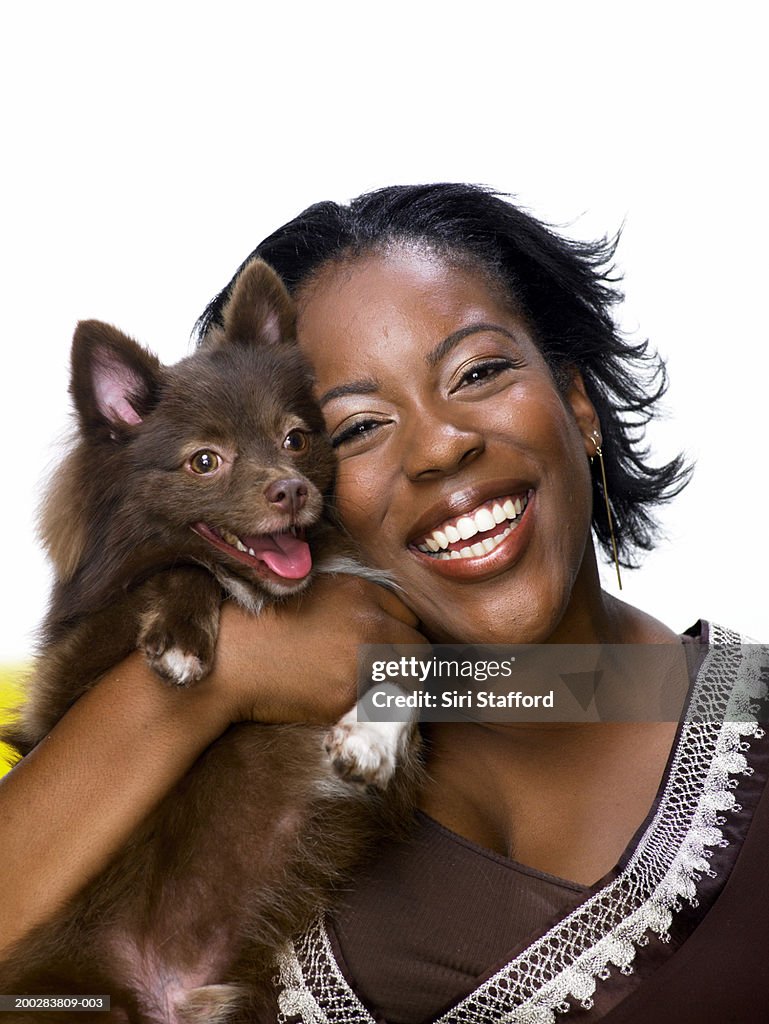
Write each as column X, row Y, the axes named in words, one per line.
column 583, row 411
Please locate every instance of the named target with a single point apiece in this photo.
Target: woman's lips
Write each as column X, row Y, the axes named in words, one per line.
column 483, row 541
column 477, row 527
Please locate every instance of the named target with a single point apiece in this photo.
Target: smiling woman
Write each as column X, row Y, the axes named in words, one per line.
column 460, row 415
column 470, row 371
column 466, row 357
column 487, row 417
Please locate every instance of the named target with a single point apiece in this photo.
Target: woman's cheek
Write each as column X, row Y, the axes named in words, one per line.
column 356, row 495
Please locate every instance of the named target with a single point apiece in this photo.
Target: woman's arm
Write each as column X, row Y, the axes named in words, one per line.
column 74, row 801
column 69, row 806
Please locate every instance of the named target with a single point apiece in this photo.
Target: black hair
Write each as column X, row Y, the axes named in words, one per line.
column 566, row 289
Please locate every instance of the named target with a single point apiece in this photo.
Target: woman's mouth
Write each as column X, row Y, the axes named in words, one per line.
column 482, row 541
column 477, row 532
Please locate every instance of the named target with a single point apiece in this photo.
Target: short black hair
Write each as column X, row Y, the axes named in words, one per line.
column 566, row 290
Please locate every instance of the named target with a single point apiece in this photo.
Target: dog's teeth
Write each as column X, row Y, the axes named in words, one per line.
column 234, row 541
column 252, row 552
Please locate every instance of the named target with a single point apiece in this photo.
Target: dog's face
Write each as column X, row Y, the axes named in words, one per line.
column 222, row 458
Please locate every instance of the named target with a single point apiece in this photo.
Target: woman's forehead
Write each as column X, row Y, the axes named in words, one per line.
column 417, row 265
column 390, row 303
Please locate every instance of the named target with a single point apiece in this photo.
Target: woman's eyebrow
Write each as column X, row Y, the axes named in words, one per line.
column 353, row 387
column 444, row 347
column 370, row 385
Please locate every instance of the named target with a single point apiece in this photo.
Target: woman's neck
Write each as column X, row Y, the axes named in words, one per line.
column 593, row 616
column 565, row 800
column 562, row 797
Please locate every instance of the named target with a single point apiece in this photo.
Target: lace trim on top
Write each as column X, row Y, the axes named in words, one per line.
column 670, row 859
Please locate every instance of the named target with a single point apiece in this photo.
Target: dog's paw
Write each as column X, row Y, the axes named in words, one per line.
column 177, row 666
column 364, row 753
column 178, row 660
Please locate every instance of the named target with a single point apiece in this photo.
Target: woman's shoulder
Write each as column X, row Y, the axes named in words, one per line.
column 633, row 625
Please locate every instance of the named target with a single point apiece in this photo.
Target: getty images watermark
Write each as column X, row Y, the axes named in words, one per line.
column 552, row 682
column 427, row 670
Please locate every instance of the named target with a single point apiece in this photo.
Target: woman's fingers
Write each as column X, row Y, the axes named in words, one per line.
column 298, row 662
column 393, row 605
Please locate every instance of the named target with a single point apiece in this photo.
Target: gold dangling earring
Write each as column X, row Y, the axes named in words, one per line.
column 595, row 437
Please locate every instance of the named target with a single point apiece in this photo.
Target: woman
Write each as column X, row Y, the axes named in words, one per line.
column 467, row 362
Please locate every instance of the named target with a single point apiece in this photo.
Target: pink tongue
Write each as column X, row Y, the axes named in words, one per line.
column 285, row 554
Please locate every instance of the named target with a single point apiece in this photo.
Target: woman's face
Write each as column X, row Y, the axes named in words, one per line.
column 462, row 469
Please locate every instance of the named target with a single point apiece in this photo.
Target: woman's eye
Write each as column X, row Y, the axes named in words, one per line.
column 296, row 441
column 355, row 431
column 204, row 461
column 481, row 372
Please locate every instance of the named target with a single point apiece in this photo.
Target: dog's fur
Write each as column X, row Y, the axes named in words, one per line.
column 183, row 925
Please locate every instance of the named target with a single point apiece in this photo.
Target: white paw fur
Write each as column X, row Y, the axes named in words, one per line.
column 179, row 666
column 365, row 752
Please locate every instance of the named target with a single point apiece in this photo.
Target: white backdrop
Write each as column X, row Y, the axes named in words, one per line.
column 148, row 147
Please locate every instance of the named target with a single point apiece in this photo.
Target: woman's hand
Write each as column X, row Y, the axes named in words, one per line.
column 298, row 662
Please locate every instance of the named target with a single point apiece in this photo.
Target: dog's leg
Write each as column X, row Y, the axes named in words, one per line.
column 365, row 752
column 180, row 623
column 361, row 751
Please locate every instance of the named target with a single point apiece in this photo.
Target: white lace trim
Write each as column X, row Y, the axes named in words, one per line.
column 604, row 931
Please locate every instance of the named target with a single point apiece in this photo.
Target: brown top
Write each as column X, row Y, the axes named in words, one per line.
column 430, row 916
column 435, row 917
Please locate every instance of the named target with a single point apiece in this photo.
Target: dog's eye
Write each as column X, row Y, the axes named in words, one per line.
column 296, row 441
column 204, row 461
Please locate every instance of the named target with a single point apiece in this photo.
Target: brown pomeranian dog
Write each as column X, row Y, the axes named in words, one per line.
column 188, row 482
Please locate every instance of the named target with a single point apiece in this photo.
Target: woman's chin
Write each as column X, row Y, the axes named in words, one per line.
column 498, row 613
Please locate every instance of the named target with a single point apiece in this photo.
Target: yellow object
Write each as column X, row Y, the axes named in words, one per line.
column 11, row 678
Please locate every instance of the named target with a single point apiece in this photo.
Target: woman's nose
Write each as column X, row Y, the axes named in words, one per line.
column 436, row 447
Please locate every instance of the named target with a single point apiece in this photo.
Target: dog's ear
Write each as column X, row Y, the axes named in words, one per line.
column 259, row 311
column 115, row 381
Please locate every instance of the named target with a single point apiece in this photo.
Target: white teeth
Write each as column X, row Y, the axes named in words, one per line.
column 476, row 550
column 484, row 520
column 466, row 527
column 252, row 552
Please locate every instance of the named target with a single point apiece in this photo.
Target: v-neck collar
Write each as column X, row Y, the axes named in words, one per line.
column 661, row 867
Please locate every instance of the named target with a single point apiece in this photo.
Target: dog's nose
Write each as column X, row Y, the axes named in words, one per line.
column 288, row 495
